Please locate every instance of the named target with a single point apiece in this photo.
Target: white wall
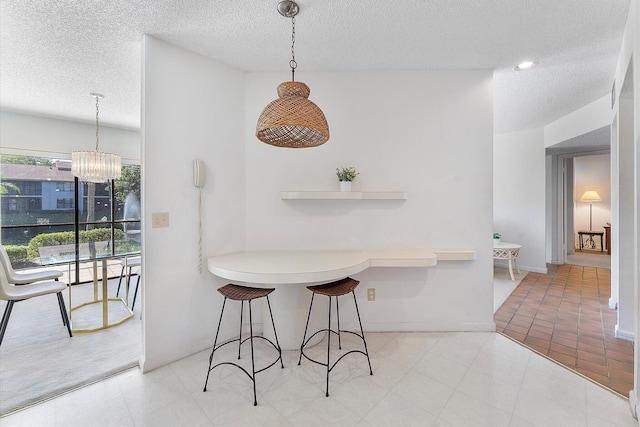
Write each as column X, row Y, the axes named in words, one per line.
column 632, row 37
column 634, row 18
column 49, row 136
column 591, row 173
column 634, row 15
column 519, row 194
column 584, row 120
column 428, row 133
column 192, row 108
column 629, row 51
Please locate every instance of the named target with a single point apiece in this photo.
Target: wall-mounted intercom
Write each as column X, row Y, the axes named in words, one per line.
column 198, row 173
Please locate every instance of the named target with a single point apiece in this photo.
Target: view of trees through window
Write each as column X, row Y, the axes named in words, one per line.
column 38, row 210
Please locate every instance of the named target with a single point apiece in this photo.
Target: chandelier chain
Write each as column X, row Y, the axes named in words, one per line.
column 97, row 122
column 293, row 64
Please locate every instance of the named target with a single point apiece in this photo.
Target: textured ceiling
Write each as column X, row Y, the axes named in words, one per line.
column 54, row 53
column 590, row 142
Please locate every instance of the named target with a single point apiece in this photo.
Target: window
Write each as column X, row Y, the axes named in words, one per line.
column 30, row 188
column 64, row 186
column 64, row 203
column 46, row 201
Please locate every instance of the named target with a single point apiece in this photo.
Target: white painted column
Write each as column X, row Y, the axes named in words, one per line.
column 624, row 233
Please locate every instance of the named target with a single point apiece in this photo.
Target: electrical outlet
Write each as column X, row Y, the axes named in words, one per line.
column 371, row 294
column 159, row 219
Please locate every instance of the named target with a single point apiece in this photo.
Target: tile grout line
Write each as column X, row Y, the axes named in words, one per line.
column 568, row 368
column 572, row 293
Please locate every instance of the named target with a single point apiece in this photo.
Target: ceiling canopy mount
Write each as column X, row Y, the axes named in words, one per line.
column 288, row 8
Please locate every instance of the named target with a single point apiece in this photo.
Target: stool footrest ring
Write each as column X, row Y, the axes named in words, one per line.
column 242, row 294
column 338, row 360
column 242, row 342
column 334, row 290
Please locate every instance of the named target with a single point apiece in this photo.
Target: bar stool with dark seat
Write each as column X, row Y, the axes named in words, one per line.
column 334, row 289
column 242, row 294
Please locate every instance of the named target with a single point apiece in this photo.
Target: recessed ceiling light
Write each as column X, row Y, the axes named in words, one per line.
column 525, row 65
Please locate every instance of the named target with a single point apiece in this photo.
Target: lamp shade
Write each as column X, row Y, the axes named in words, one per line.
column 94, row 166
column 292, row 120
column 590, row 196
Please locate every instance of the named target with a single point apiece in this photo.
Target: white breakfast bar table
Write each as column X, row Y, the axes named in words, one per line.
column 290, row 271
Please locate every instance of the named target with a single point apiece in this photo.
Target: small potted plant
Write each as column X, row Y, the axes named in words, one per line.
column 496, row 237
column 346, row 176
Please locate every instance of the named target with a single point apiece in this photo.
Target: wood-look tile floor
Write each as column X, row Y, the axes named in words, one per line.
column 565, row 315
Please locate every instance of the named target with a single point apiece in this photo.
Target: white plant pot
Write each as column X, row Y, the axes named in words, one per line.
column 496, row 240
column 345, row 185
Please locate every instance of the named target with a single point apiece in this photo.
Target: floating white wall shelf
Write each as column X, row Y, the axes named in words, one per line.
column 343, row 195
column 455, row 254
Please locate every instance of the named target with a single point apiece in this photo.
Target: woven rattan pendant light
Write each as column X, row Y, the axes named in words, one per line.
column 292, row 120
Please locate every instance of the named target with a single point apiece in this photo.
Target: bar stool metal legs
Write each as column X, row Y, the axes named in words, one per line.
column 334, row 290
column 242, row 294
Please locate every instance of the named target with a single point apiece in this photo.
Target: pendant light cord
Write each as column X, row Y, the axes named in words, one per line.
column 293, row 64
column 199, row 229
column 97, row 123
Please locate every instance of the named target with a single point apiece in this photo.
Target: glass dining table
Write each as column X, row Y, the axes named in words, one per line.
column 94, row 253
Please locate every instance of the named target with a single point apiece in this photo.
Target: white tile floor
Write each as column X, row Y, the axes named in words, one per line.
column 503, row 286
column 419, row 379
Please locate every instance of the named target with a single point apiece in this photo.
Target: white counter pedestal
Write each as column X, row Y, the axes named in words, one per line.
column 290, row 306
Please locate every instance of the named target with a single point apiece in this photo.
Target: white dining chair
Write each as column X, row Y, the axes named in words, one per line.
column 131, row 263
column 138, row 272
column 24, row 278
column 22, row 286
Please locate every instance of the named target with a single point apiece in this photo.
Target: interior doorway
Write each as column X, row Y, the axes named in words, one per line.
column 588, row 230
column 578, row 165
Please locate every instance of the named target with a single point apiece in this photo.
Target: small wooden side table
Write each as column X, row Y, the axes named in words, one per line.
column 607, row 239
column 589, row 243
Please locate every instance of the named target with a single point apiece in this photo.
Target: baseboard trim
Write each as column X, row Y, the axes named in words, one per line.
column 523, row 268
column 535, row 270
column 147, row 365
column 633, row 403
column 428, row 327
column 624, row 335
column 204, row 343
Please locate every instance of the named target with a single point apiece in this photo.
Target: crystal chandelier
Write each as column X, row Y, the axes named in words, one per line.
column 94, row 166
column 292, row 120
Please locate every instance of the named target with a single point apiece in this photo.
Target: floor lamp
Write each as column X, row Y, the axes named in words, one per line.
column 590, row 196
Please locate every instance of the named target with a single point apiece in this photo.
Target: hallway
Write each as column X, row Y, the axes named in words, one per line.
column 565, row 315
